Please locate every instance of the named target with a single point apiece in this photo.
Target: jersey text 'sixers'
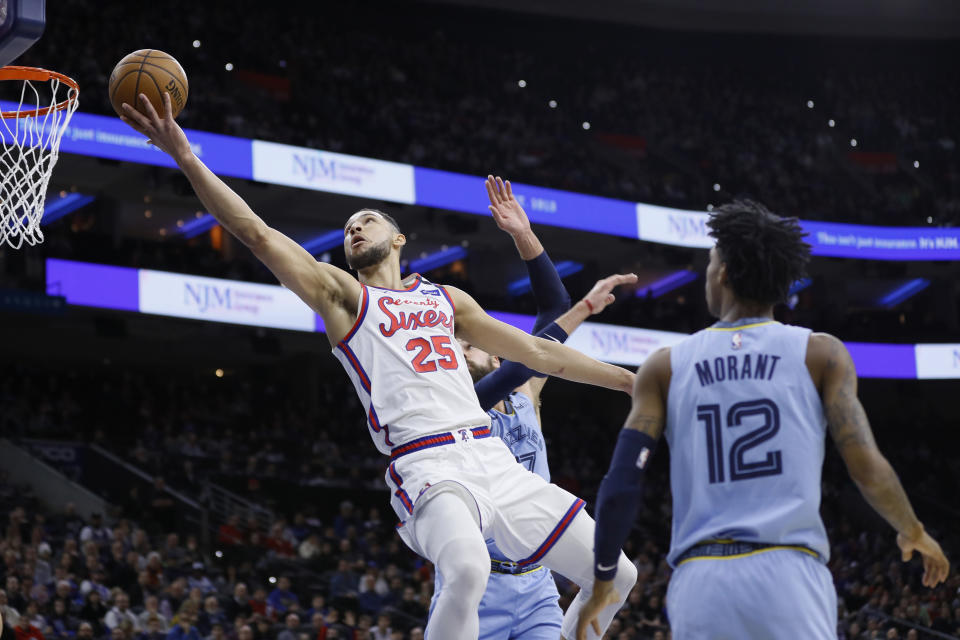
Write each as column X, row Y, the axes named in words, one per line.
column 406, row 365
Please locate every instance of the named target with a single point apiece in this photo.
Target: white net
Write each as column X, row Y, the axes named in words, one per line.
column 30, row 137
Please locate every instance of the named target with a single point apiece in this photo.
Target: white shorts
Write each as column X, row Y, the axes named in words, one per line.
column 524, row 513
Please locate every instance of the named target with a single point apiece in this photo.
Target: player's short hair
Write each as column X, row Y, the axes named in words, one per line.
column 764, row 253
column 385, row 216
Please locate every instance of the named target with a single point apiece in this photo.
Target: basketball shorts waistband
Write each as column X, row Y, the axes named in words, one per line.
column 513, row 568
column 439, row 440
column 728, row 550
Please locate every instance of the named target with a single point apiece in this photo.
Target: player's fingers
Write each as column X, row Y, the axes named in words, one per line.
column 509, row 189
column 167, row 106
column 611, row 298
column 501, row 190
column 596, row 627
column 490, row 194
column 148, row 107
column 906, row 554
column 135, row 118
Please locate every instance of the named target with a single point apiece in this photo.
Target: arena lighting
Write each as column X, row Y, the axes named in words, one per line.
column 553, row 104
column 809, row 104
column 437, row 259
column 799, row 286
column 197, row 226
column 831, row 123
column 716, row 186
column 228, row 66
column 323, row 242
column 196, row 44
column 586, row 125
column 853, row 142
column 64, row 206
column 668, row 283
column 903, row 292
column 564, row 269
column 522, row 83
column 916, row 164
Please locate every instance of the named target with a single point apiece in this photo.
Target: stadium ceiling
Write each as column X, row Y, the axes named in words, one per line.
column 861, row 18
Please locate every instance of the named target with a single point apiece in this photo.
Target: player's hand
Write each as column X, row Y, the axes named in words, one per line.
column 507, row 212
column 602, row 293
column 162, row 132
column 935, row 564
column 603, row 596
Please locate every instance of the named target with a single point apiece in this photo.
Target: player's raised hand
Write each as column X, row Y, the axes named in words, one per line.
column 601, row 295
column 935, row 563
column 506, row 210
column 603, row 596
column 162, row 132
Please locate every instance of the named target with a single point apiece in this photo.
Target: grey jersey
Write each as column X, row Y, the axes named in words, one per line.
column 746, row 431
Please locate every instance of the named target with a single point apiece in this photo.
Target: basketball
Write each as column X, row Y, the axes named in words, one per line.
column 150, row 72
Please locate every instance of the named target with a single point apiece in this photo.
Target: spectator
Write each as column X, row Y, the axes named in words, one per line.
column 24, row 630
column 198, row 580
column 282, row 599
column 96, row 531
column 229, row 534
column 153, row 628
column 382, row 631
column 211, row 615
column 245, row 632
column 291, row 626
column 120, row 612
column 184, row 629
column 85, row 631
column 11, row 617
column 151, row 610
column 95, row 583
column 94, row 611
column 62, row 623
column 344, row 582
column 239, row 602
column 310, row 547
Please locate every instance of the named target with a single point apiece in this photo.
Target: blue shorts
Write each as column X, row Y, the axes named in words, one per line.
column 519, row 607
column 768, row 595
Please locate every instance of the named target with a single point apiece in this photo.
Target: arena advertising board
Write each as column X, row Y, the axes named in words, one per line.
column 332, row 172
column 261, row 305
column 318, row 170
column 108, row 137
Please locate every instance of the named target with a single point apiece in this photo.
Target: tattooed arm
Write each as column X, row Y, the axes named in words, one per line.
column 833, row 372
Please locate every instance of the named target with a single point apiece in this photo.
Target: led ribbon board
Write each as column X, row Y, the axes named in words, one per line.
column 261, row 305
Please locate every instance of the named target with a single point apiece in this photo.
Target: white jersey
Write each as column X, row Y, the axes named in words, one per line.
column 406, row 365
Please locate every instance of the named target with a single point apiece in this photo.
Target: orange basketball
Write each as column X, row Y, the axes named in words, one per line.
column 150, row 72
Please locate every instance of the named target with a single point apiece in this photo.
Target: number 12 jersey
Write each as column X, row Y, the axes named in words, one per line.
column 746, row 430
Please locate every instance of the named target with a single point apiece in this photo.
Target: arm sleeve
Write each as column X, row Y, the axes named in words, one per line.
column 552, row 301
column 497, row 385
column 548, row 290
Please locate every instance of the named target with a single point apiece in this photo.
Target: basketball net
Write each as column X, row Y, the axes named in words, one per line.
column 30, row 137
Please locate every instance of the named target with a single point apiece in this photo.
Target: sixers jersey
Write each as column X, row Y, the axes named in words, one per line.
column 519, row 428
column 747, row 431
column 406, row 365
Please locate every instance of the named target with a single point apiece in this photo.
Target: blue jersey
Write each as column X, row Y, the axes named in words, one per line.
column 519, row 428
column 746, row 430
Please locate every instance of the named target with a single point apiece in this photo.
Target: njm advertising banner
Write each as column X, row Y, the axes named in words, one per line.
column 332, row 172
column 263, row 305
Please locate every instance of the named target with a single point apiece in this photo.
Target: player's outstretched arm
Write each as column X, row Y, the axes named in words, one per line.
column 834, row 373
column 500, row 339
column 621, row 491
column 323, row 287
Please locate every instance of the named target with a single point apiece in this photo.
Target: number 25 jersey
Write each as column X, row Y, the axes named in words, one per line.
column 406, row 365
column 746, row 431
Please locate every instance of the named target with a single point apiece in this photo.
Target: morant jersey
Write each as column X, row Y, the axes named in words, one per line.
column 406, row 365
column 747, row 431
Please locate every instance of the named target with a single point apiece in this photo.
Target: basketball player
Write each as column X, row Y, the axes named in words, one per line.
column 452, row 484
column 521, row 602
column 745, row 406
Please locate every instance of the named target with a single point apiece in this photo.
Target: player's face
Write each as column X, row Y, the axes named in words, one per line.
column 367, row 239
column 479, row 362
column 714, row 283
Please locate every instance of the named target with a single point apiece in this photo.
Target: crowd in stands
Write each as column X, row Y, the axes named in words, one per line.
column 675, row 119
column 340, row 571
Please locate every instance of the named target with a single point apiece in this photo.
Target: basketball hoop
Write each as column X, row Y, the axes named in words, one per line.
column 30, row 139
